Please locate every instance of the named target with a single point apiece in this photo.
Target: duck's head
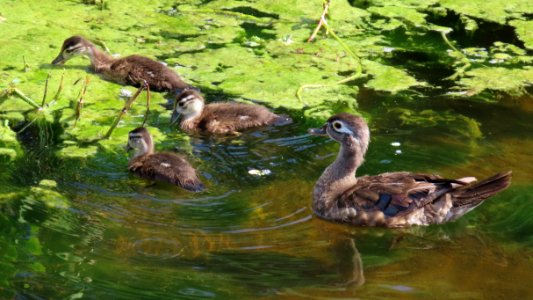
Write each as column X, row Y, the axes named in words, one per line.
column 140, row 141
column 189, row 104
column 73, row 46
column 346, row 129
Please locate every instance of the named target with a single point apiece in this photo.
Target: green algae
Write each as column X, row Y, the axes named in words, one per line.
column 269, row 37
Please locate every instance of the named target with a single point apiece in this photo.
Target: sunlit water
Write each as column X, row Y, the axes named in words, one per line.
column 253, row 234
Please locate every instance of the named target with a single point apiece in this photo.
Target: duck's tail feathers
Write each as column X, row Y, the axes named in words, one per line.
column 282, row 120
column 473, row 194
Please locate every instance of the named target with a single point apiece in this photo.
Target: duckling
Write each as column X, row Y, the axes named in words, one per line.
column 396, row 199
column 162, row 166
column 132, row 70
column 221, row 118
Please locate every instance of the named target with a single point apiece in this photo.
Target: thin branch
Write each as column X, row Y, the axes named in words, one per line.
column 321, row 22
column 123, row 111
column 147, row 87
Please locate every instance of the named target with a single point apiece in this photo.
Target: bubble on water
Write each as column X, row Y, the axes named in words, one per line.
column 395, row 144
column 262, row 172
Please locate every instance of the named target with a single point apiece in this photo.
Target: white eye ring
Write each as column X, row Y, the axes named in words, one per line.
column 337, row 126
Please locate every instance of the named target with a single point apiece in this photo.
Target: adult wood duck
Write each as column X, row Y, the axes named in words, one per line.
column 162, row 166
column 221, row 118
column 396, row 199
column 132, row 70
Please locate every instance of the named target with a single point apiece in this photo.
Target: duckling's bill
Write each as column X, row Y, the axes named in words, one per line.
column 175, row 116
column 319, row 131
column 59, row 60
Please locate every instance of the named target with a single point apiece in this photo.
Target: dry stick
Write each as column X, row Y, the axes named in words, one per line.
column 45, row 90
column 79, row 105
column 321, row 21
column 123, row 112
column 147, row 87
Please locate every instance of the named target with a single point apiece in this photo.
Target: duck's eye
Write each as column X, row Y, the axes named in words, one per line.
column 337, row 125
column 181, row 104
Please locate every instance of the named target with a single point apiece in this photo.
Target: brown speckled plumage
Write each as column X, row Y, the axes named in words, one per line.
column 222, row 118
column 396, row 199
column 130, row 70
column 162, row 166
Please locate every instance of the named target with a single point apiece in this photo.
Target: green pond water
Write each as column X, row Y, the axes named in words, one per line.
column 75, row 225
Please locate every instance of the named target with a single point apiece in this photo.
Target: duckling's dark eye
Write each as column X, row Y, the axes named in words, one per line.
column 337, row 125
column 181, row 104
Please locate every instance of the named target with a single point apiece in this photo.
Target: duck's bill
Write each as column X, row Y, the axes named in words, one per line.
column 128, row 148
column 174, row 118
column 318, row 131
column 59, row 60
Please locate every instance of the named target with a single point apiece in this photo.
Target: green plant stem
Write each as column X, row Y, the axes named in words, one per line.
column 59, row 88
column 464, row 59
column 79, row 105
column 358, row 66
column 45, row 90
column 316, row 86
column 25, row 98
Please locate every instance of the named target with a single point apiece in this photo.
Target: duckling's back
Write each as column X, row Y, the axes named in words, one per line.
column 167, row 167
column 135, row 69
column 231, row 117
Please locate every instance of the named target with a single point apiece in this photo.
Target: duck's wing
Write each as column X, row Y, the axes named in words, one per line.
column 396, row 193
column 170, row 168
